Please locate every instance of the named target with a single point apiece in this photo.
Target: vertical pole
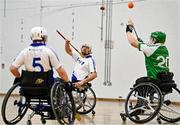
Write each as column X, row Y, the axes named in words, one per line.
column 108, row 42
column 102, row 19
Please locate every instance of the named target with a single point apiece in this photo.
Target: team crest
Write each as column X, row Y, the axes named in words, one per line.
column 39, row 81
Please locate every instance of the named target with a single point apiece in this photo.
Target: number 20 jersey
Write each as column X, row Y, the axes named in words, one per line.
column 156, row 58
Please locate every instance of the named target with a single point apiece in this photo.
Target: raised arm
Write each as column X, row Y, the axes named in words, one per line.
column 68, row 48
column 131, row 38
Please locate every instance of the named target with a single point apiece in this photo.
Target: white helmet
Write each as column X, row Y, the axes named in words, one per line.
column 87, row 45
column 38, row 33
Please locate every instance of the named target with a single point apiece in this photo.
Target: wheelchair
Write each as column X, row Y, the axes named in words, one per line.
column 85, row 99
column 147, row 100
column 34, row 91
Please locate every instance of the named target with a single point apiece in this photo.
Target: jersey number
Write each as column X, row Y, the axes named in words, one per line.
column 164, row 61
column 37, row 64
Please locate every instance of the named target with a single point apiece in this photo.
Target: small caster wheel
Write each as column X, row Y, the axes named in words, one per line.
column 29, row 122
column 43, row 121
column 123, row 117
column 93, row 112
column 159, row 120
column 137, row 117
column 15, row 102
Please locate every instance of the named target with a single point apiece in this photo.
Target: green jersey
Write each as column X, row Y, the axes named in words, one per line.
column 156, row 58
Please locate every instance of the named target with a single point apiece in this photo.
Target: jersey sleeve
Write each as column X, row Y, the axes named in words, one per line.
column 75, row 56
column 147, row 49
column 19, row 60
column 92, row 65
column 54, row 61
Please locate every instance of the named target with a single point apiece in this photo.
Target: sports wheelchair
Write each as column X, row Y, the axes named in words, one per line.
column 149, row 99
column 85, row 99
column 34, row 91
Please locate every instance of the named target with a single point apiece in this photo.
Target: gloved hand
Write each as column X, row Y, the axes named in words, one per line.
column 130, row 25
column 140, row 40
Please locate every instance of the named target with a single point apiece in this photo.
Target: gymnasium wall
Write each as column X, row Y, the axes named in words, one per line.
column 82, row 22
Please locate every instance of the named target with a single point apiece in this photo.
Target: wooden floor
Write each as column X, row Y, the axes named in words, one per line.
column 107, row 113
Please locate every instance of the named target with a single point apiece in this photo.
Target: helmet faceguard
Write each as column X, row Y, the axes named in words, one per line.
column 158, row 37
column 38, row 34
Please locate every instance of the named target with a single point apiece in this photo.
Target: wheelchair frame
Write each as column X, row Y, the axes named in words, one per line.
column 57, row 104
column 85, row 99
column 150, row 101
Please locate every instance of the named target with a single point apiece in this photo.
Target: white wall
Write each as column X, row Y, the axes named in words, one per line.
column 127, row 62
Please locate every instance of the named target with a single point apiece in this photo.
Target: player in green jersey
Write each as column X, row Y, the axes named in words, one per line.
column 155, row 52
column 156, row 61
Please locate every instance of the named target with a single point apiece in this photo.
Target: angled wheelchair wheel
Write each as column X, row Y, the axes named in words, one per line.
column 143, row 103
column 15, row 102
column 85, row 100
column 62, row 103
column 170, row 110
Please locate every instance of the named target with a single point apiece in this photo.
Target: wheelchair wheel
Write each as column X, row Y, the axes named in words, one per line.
column 85, row 100
column 13, row 101
column 62, row 104
column 143, row 103
column 170, row 110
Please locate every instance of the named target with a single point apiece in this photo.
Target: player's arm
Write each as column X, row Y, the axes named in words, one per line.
column 56, row 64
column 62, row 73
column 131, row 38
column 17, row 63
column 15, row 71
column 68, row 48
column 90, row 77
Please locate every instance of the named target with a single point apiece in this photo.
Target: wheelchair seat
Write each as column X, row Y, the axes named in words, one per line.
column 167, row 87
column 35, row 84
column 165, row 81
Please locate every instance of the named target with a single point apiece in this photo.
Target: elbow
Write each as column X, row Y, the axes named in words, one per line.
column 12, row 69
column 95, row 75
column 134, row 44
column 68, row 51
